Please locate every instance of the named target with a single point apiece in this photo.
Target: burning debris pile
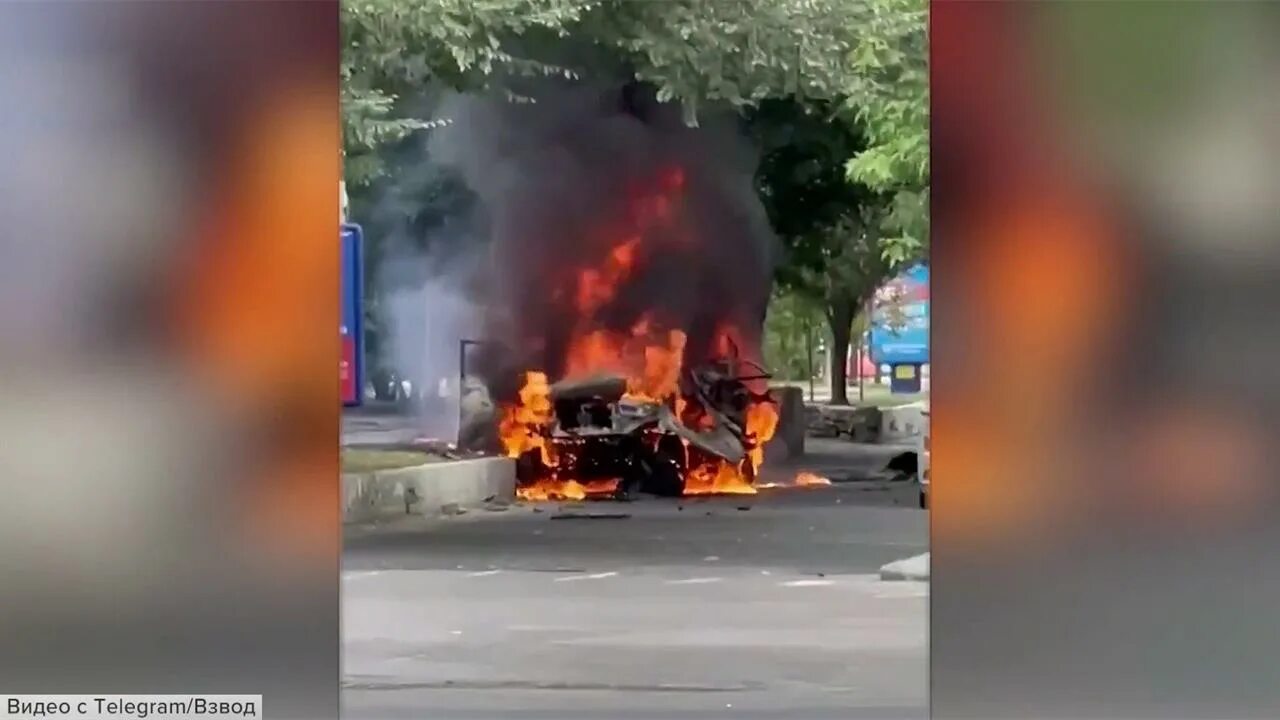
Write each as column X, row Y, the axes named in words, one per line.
column 631, row 268
column 610, row 434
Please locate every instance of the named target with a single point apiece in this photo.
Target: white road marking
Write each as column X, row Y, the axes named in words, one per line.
column 694, row 581
column 596, row 576
column 807, row 583
column 358, row 575
column 483, row 573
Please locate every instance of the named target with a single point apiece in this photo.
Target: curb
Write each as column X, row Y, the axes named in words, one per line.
column 427, row 490
column 912, row 568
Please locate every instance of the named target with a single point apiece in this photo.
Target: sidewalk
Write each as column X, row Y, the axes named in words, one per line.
column 379, row 425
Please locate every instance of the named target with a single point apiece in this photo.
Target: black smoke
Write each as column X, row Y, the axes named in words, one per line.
column 565, row 175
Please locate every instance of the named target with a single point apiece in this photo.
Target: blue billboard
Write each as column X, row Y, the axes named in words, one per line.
column 900, row 320
column 350, row 326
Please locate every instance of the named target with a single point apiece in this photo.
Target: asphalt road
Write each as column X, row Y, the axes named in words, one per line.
column 756, row 607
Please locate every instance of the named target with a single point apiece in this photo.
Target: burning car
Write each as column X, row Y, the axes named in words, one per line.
column 598, row 436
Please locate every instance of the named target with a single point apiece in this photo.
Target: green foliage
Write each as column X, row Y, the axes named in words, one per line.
column 889, row 93
column 793, row 327
column 394, row 49
column 835, row 90
column 693, row 51
column 826, row 223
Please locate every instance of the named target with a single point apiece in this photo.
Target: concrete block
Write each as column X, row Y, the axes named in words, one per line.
column 427, row 489
column 901, row 425
column 863, row 425
column 788, row 438
column 912, row 568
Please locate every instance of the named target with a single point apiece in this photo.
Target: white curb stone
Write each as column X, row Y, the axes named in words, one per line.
column 912, row 568
column 427, row 489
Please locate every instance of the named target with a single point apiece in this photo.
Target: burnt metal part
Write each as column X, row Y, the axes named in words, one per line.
column 609, row 387
column 596, row 432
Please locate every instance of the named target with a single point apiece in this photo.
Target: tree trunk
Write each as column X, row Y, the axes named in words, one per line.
column 840, row 316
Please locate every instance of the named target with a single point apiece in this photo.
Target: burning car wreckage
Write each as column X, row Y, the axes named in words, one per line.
column 622, row 358
column 600, row 436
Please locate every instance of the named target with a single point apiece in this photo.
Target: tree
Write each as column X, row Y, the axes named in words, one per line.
column 832, row 229
column 836, row 88
column 889, row 93
column 789, row 334
column 856, row 266
column 393, row 50
column 694, row 52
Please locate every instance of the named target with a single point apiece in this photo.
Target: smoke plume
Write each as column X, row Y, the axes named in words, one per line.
column 662, row 218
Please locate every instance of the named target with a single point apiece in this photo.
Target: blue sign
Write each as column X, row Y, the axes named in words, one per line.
column 351, row 325
column 900, row 320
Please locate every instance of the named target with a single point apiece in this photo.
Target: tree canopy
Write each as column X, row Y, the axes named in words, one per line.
column 836, row 92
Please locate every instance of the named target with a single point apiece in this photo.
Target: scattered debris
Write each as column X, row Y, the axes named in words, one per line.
column 711, row 558
column 744, row 508
column 903, row 466
column 495, row 504
column 452, row 509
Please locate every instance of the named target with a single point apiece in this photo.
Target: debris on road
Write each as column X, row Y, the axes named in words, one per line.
column 452, row 509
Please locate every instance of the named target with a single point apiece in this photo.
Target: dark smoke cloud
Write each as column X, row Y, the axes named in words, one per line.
column 557, row 179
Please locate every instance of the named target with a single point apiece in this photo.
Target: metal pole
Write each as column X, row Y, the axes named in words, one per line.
column 808, row 341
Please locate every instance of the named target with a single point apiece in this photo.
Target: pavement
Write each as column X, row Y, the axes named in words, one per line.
column 376, row 425
column 765, row 606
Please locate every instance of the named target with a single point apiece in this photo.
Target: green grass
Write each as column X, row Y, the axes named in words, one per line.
column 879, row 396
column 360, row 460
column 873, row 395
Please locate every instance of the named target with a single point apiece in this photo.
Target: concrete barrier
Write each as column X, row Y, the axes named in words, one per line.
column 428, row 489
column 788, row 438
column 901, row 425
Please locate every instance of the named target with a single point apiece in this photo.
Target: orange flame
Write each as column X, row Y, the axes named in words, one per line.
column 762, row 422
column 596, row 287
column 717, row 479
column 551, row 489
column 810, row 479
column 648, row 356
column 518, row 427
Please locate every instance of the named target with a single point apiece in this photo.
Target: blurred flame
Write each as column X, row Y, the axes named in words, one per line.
column 519, row 423
column 551, row 489
column 717, row 479
column 649, row 357
column 810, row 479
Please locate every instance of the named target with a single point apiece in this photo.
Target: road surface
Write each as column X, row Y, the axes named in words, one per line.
column 759, row 607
